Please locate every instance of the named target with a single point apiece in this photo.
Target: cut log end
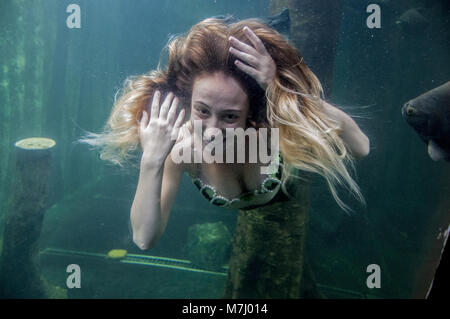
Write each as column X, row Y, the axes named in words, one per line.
column 35, row 143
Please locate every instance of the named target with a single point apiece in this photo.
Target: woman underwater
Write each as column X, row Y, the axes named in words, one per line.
column 238, row 75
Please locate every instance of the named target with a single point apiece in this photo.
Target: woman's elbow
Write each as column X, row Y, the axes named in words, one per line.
column 364, row 148
column 145, row 243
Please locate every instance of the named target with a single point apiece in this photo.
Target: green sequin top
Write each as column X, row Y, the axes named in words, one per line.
column 269, row 185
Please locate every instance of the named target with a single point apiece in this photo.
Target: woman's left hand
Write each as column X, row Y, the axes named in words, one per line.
column 258, row 62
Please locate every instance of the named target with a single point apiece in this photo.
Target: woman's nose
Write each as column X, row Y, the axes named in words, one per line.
column 212, row 122
column 211, row 127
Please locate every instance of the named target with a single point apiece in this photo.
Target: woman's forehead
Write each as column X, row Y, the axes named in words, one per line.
column 219, row 90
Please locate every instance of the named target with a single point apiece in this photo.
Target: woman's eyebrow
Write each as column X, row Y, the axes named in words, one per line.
column 231, row 110
column 201, row 103
column 222, row 111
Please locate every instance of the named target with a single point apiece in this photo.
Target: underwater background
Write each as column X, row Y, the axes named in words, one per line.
column 57, row 82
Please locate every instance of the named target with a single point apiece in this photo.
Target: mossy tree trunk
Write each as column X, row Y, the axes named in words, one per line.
column 268, row 251
column 315, row 33
column 20, row 275
column 268, row 257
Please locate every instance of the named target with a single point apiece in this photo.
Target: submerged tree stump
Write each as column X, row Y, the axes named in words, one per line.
column 315, row 26
column 268, row 249
column 19, row 267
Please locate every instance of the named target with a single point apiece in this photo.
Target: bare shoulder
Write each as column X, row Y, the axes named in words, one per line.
column 334, row 112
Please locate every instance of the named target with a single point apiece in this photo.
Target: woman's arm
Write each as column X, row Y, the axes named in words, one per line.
column 156, row 192
column 260, row 65
column 159, row 177
column 357, row 142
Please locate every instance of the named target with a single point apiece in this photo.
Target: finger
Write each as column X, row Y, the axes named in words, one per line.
column 144, row 120
column 255, row 40
column 247, row 58
column 155, row 105
column 248, row 69
column 178, row 123
column 180, row 118
column 173, row 110
column 244, row 47
column 166, row 105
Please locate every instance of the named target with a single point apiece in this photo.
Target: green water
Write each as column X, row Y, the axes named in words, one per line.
column 55, row 81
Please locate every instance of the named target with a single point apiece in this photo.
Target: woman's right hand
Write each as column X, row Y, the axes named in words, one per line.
column 159, row 133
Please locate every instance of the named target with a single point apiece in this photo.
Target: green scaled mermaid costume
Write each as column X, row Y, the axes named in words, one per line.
column 270, row 184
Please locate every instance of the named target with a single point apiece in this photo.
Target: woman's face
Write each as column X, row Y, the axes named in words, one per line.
column 218, row 101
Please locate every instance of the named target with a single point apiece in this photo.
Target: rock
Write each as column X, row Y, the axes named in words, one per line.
column 209, row 245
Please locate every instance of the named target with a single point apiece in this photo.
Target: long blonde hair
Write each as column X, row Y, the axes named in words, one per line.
column 309, row 139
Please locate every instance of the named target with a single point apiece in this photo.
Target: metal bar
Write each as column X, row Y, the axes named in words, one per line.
column 136, row 259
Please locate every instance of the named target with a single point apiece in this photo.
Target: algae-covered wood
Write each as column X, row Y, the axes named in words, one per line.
column 20, row 273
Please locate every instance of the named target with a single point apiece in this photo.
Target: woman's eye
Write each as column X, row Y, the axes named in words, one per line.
column 231, row 117
column 203, row 112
